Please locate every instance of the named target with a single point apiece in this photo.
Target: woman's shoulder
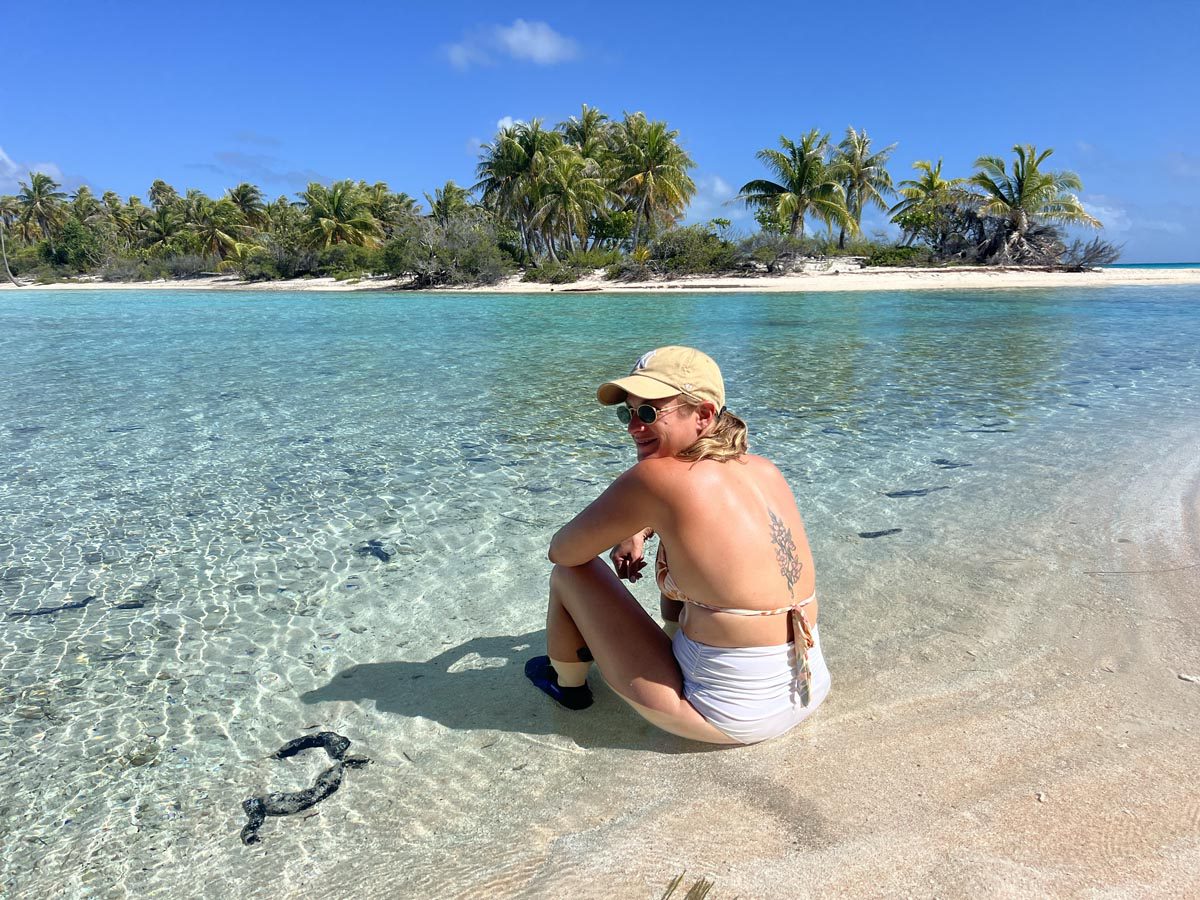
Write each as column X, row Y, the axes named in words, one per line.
column 762, row 466
column 692, row 474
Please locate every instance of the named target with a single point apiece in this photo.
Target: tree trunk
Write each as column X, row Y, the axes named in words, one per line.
column 797, row 224
column 4, row 256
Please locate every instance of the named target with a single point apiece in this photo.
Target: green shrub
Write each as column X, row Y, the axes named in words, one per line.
column 287, row 258
column 596, row 258
column 152, row 269
column 470, row 255
column 629, row 269
column 341, row 260
column 189, row 265
column 552, row 273
column 899, row 256
column 611, row 229
column 79, row 248
column 25, row 260
column 185, row 243
column 120, row 269
column 693, row 250
column 463, row 250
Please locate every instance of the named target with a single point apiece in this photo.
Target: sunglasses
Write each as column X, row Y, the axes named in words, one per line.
column 646, row 413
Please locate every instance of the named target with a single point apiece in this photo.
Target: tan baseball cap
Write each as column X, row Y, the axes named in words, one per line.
column 666, row 372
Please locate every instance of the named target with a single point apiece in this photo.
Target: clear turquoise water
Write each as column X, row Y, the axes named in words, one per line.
column 1171, row 265
column 205, row 464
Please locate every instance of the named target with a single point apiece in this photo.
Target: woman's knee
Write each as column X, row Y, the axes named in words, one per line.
column 563, row 577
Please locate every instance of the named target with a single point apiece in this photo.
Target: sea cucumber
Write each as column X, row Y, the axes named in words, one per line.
column 50, row 610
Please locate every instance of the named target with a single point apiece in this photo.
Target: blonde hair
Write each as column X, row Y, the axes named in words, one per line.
column 725, row 440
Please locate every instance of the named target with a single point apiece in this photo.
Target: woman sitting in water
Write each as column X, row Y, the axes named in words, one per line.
column 739, row 658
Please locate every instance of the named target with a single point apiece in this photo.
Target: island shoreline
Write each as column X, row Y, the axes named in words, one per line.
column 837, row 280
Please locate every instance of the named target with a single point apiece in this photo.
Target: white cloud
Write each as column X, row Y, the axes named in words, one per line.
column 1118, row 220
column 534, row 42
column 711, row 201
column 473, row 146
column 12, row 172
column 505, row 122
column 466, row 54
column 1110, row 213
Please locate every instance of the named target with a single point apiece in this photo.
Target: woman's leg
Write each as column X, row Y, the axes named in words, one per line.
column 590, row 607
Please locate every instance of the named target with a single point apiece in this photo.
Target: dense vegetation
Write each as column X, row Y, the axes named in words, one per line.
column 589, row 193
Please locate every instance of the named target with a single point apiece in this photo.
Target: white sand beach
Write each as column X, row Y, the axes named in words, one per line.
column 835, row 279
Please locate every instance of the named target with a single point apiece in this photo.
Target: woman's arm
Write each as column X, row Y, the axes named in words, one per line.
column 630, row 504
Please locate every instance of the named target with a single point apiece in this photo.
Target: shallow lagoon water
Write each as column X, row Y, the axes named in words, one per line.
column 205, row 465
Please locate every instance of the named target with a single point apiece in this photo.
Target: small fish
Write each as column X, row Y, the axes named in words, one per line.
column 950, row 464
column 875, row 534
column 375, row 548
column 916, row 492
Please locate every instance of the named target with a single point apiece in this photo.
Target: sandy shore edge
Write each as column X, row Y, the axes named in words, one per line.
column 890, row 279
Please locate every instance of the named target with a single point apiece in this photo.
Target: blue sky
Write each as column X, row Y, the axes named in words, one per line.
column 209, row 94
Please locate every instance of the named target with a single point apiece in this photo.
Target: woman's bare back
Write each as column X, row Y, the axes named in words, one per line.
column 735, row 538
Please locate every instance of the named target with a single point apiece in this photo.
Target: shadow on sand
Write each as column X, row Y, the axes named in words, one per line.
column 481, row 685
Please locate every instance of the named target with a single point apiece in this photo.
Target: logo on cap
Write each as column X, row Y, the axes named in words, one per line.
column 644, row 361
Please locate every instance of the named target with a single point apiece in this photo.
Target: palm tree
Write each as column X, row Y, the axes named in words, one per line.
column 112, row 211
column 249, row 201
column 511, row 174
column 217, row 224
column 574, row 191
column 191, row 203
column 928, row 193
column 930, row 189
column 112, row 204
column 651, row 174
column 805, row 185
column 388, row 209
column 163, row 195
column 9, row 210
column 160, row 227
column 590, row 134
column 283, row 216
column 863, row 175
column 1027, row 196
column 85, row 208
column 338, row 215
column 132, row 220
column 448, row 202
column 41, row 204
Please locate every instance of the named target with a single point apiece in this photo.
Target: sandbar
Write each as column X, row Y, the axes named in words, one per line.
column 838, row 277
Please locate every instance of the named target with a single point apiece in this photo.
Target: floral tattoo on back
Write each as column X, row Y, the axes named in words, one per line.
column 785, row 552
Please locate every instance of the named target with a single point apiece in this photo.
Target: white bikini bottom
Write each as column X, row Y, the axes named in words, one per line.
column 750, row 693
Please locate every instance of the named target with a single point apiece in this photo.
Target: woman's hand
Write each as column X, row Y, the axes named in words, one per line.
column 629, row 556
